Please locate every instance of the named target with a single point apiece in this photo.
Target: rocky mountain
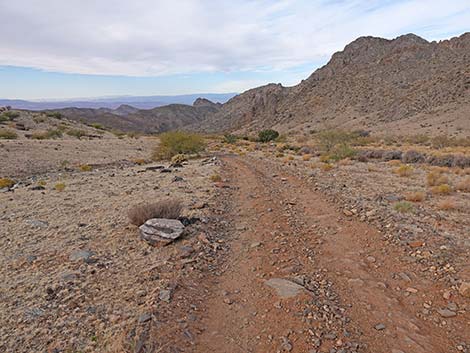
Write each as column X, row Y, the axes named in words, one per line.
column 160, row 119
column 377, row 84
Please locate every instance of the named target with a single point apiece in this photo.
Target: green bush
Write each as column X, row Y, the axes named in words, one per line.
column 342, row 151
column 267, row 135
column 11, row 115
column 77, row 133
column 97, row 126
column 7, row 134
column 329, row 139
column 56, row 115
column 229, row 138
column 178, row 142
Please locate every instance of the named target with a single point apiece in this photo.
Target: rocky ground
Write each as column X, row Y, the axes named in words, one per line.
column 288, row 255
column 74, row 273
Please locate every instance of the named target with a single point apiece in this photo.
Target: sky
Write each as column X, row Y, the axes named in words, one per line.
column 88, row 48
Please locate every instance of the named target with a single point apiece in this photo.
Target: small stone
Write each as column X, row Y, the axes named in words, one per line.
column 165, row 295
column 160, row 231
column 379, row 327
column 347, row 213
column 446, row 313
column 371, row 259
column 255, row 244
column 464, row 289
column 81, row 255
column 412, row 290
column 144, row 318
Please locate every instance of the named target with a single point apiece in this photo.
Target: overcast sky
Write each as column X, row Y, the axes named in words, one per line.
column 81, row 48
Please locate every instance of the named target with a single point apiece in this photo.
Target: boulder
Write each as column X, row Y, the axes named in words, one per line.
column 464, row 289
column 161, row 231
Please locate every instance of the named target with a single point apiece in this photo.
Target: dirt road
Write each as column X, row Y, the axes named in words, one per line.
column 303, row 276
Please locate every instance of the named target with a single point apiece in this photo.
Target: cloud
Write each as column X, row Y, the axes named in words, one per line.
column 156, row 37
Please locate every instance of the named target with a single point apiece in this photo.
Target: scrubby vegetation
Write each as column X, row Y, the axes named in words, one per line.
column 404, row 170
column 97, row 126
column 443, row 189
column 230, row 139
column 56, row 115
column 6, row 134
column 403, row 207
column 9, row 115
column 76, row 133
column 216, row 178
column 170, row 209
column 47, row 135
column 6, row 183
column 416, row 196
column 178, row 142
column 59, row 187
column 267, row 135
column 85, row 168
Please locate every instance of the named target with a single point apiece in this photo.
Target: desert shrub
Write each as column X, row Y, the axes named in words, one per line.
column 419, row 139
column 306, row 157
column 169, row 209
column 6, row 183
column 443, row 189
column 463, row 185
column 85, row 168
column 76, row 133
column 412, row 156
column 267, row 135
column 416, row 196
column 446, row 205
column 230, row 139
column 97, row 126
column 179, row 158
column 461, row 161
column 56, row 115
column 178, row 142
column 326, row 167
column 47, row 135
column 403, row 207
column 10, row 115
column 119, row 134
column 7, row 134
column 328, row 139
column 442, row 141
column 435, row 178
column 392, row 155
column 404, row 170
column 341, row 152
column 279, row 154
column 216, row 178
column 59, row 187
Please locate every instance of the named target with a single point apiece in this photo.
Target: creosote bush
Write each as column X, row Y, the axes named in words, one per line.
column 435, row 178
column 178, row 142
column 268, row 135
column 77, row 133
column 47, row 135
column 7, row 134
column 230, row 139
column 447, row 205
column 169, row 209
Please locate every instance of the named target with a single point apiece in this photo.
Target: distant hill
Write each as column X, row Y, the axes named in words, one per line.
column 140, row 102
column 160, row 119
column 402, row 86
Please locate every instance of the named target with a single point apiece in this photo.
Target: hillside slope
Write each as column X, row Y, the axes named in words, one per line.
column 160, row 119
column 374, row 83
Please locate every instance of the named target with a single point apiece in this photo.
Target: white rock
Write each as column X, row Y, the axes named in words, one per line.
column 161, row 231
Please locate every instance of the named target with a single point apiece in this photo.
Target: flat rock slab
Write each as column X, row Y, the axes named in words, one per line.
column 284, row 288
column 161, row 231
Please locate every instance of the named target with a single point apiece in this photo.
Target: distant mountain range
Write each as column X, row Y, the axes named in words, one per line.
column 140, row 102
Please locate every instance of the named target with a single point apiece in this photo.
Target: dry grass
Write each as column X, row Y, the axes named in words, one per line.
column 416, row 196
column 216, row 178
column 326, row 167
column 306, row 157
column 59, row 187
column 463, row 185
column 447, row 205
column 403, row 207
column 435, row 178
column 85, row 168
column 139, row 161
column 443, row 189
column 139, row 214
column 404, row 170
column 7, row 134
column 6, row 183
